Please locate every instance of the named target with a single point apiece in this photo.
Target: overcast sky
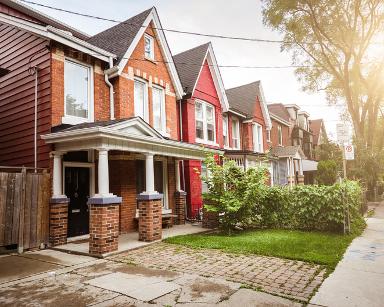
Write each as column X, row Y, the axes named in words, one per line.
column 241, row 18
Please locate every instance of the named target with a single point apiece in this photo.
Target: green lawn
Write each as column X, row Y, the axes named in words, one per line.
column 316, row 247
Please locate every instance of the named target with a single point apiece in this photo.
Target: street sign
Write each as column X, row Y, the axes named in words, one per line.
column 349, row 152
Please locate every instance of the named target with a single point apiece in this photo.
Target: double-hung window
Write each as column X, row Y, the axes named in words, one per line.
column 235, row 133
column 257, row 138
column 158, row 99
column 225, row 130
column 280, row 135
column 77, row 92
column 205, row 122
column 141, row 99
column 149, row 50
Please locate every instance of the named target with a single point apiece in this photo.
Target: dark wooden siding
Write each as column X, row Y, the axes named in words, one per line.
column 17, row 97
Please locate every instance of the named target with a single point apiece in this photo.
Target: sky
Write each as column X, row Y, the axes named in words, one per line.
column 240, row 18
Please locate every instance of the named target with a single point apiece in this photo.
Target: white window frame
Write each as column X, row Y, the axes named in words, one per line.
column 205, row 126
column 163, row 129
column 280, row 135
column 74, row 120
column 146, row 113
column 257, row 133
column 235, row 120
column 226, row 131
column 151, row 39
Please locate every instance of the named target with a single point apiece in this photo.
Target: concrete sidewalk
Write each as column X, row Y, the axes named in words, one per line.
column 358, row 279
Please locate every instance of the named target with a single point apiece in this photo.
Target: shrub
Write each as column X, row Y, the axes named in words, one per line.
column 232, row 192
column 241, row 198
column 326, row 172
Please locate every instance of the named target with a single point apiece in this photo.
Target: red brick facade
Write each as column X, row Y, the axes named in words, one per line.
column 275, row 134
column 103, row 228
column 58, row 221
column 150, row 220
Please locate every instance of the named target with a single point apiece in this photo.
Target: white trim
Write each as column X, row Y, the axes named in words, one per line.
column 279, row 119
column 237, row 113
column 259, row 147
column 216, row 76
column 146, row 98
column 152, row 45
column 92, row 173
column 163, row 112
column 225, row 119
column 280, row 133
column 264, row 108
column 153, row 16
column 268, row 135
column 164, row 161
column 236, row 120
column 64, row 37
column 71, row 119
column 205, row 140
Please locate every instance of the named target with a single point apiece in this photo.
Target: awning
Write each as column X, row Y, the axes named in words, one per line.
column 309, row 165
column 133, row 135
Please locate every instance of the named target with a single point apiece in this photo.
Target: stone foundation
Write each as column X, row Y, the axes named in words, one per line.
column 150, row 219
column 103, row 225
column 58, row 221
column 180, row 201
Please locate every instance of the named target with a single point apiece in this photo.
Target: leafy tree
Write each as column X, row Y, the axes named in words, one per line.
column 326, row 172
column 338, row 46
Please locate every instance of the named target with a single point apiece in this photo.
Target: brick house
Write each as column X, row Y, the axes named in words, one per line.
column 247, row 126
column 107, row 126
column 202, row 110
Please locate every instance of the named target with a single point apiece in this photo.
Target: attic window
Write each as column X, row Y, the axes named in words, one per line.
column 149, row 51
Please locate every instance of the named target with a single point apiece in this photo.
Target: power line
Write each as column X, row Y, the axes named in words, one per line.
column 163, row 29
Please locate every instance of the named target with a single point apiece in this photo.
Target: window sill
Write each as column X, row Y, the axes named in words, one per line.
column 72, row 120
column 201, row 141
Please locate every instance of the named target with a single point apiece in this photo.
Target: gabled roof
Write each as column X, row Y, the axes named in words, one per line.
column 288, row 151
column 316, row 127
column 243, row 99
column 118, row 38
column 48, row 20
column 189, row 64
column 123, row 38
column 279, row 111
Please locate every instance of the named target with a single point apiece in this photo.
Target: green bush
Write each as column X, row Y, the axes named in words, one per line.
column 242, row 198
column 326, row 172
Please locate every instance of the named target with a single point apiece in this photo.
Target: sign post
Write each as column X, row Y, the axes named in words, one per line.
column 348, row 154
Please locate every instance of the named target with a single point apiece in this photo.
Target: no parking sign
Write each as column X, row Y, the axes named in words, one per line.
column 349, row 152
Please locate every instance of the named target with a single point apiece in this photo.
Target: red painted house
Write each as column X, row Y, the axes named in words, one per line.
column 108, row 127
column 247, row 125
column 202, row 107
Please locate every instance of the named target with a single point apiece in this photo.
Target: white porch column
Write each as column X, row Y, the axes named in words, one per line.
column 301, row 167
column 103, row 174
column 57, row 175
column 177, row 175
column 149, row 175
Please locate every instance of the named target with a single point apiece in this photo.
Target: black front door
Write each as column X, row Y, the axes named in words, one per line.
column 77, row 190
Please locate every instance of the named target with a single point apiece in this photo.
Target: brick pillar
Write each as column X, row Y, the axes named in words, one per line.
column 150, row 220
column 103, row 225
column 210, row 219
column 300, row 179
column 291, row 179
column 180, row 201
column 58, row 221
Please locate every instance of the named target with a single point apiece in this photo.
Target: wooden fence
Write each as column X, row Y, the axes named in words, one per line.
column 24, row 207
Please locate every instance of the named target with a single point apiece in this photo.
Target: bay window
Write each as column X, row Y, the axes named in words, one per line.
column 77, row 92
column 257, row 138
column 235, row 133
column 205, row 122
column 159, row 119
column 141, row 99
column 225, row 130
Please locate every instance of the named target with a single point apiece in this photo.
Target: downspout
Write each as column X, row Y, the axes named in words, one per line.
column 111, row 91
column 35, row 135
column 182, row 161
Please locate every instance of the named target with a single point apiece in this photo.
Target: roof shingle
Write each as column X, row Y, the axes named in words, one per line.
column 243, row 98
column 188, row 64
column 279, row 110
column 118, row 38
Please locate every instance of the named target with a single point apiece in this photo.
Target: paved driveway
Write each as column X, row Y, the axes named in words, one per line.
column 53, row 278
